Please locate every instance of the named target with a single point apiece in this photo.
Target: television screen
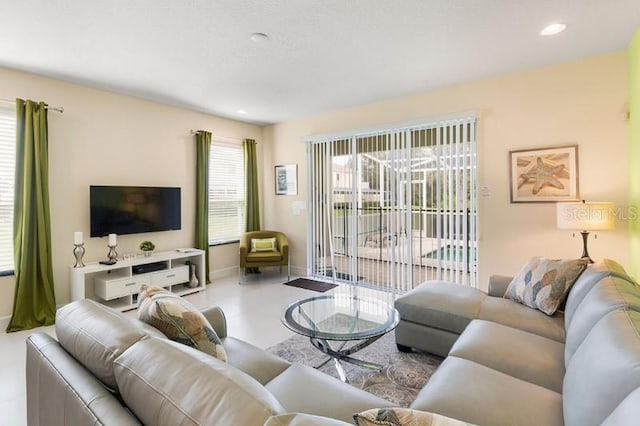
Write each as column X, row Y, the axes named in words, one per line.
column 133, row 209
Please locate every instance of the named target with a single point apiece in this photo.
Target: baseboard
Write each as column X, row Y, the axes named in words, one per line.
column 233, row 271
column 223, row 273
column 4, row 322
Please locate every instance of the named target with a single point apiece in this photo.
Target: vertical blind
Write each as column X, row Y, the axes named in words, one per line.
column 7, row 178
column 396, row 207
column 226, row 192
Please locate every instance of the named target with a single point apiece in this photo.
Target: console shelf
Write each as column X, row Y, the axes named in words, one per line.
column 118, row 285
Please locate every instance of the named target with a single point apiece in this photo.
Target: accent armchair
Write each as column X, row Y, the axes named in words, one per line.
column 258, row 257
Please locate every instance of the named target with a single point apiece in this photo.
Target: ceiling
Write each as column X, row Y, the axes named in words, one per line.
column 321, row 55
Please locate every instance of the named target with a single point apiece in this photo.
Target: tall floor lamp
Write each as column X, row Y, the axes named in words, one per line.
column 586, row 217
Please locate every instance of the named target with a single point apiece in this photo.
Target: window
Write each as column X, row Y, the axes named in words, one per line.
column 7, row 176
column 226, row 192
column 395, row 207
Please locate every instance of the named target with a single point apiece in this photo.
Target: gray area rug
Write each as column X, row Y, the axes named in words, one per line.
column 403, row 376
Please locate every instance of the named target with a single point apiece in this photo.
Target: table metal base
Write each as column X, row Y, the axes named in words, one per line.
column 341, row 354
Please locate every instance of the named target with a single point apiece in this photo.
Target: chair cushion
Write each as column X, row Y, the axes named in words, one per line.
column 543, row 283
column 263, row 244
column 520, row 354
column 471, row 392
column 403, row 417
column 166, row 383
column 264, row 256
column 179, row 320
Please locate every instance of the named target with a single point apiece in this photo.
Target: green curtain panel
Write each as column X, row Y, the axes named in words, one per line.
column 252, row 201
column 34, row 301
column 203, row 145
column 252, row 205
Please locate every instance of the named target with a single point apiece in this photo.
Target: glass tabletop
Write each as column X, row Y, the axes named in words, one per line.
column 340, row 317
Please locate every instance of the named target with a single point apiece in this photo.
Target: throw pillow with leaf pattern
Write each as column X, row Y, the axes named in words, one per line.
column 179, row 320
column 543, row 283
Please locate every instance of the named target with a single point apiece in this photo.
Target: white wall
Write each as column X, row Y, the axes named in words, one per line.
column 107, row 138
column 581, row 102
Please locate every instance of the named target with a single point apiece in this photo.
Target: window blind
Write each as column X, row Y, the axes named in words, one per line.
column 394, row 208
column 7, row 177
column 226, row 192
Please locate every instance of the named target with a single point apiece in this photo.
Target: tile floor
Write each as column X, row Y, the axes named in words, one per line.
column 253, row 313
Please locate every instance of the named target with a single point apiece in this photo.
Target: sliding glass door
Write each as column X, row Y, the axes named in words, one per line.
column 396, row 207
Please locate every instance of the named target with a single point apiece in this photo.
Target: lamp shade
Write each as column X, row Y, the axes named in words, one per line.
column 586, row 216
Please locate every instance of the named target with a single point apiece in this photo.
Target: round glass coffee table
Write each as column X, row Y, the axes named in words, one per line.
column 341, row 319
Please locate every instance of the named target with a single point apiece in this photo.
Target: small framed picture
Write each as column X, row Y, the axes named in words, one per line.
column 544, row 175
column 287, row 179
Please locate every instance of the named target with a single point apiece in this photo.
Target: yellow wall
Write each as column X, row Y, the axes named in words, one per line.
column 634, row 155
column 581, row 102
column 106, row 138
column 113, row 139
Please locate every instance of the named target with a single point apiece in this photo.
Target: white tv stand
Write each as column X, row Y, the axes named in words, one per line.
column 118, row 285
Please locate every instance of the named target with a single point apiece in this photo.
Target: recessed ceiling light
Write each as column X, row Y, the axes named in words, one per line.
column 241, row 111
column 553, row 29
column 259, row 37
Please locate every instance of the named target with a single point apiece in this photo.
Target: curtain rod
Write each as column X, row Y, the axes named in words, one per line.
column 56, row 109
column 221, row 138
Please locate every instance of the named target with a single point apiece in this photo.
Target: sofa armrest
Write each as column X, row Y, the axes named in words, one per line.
column 216, row 318
column 498, row 285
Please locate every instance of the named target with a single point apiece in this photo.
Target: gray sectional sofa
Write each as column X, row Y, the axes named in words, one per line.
column 508, row 364
column 505, row 364
column 109, row 369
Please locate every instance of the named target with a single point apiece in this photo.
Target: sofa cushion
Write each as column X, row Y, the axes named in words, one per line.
column 585, row 282
column 513, row 314
column 179, row 320
column 95, row 335
column 166, row 383
column 301, row 419
column 306, row 390
column 610, row 293
column 60, row 391
column 471, row 392
column 441, row 304
column 259, row 364
column 627, row 413
column 403, row 417
column 543, row 283
column 604, row 369
column 518, row 353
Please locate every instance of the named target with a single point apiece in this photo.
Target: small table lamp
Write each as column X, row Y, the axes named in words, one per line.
column 586, row 217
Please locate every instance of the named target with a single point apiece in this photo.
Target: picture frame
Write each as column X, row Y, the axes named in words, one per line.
column 544, row 175
column 286, row 179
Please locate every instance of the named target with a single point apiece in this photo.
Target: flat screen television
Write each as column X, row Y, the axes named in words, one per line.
column 133, row 209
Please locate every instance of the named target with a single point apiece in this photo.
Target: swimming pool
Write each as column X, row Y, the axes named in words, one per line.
column 447, row 253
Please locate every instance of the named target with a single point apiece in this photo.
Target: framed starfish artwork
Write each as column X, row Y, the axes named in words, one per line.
column 544, row 175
